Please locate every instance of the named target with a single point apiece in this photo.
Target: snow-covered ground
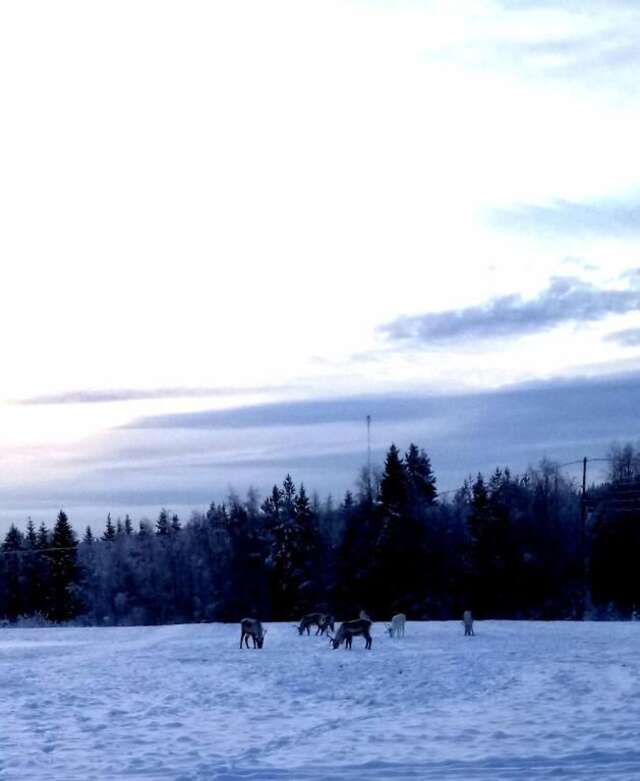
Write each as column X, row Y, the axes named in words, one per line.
column 520, row 700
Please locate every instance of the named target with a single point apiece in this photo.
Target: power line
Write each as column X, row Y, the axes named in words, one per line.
column 30, row 551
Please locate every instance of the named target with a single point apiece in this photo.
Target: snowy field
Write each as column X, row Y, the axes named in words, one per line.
column 520, row 700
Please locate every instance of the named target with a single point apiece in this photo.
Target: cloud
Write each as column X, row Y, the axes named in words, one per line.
column 588, row 46
column 518, row 426
column 296, row 413
column 579, row 263
column 599, row 218
column 567, row 299
column 630, row 337
column 568, row 5
column 139, row 394
column 632, row 276
column 555, row 410
column 610, row 59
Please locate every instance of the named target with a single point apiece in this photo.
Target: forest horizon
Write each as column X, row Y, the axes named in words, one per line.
column 507, row 545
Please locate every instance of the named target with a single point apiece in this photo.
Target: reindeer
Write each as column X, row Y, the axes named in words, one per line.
column 252, row 628
column 328, row 623
column 320, row 620
column 350, row 629
column 467, row 620
column 396, row 628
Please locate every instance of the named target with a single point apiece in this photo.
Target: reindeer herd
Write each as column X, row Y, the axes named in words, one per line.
column 325, row 623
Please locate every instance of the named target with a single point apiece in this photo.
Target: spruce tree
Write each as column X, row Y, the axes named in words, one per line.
column 294, row 543
column 399, row 553
column 43, row 536
column 249, row 548
column 31, row 537
column 162, row 524
column 482, row 547
column 109, row 530
column 31, row 567
column 42, row 564
column 288, row 495
column 393, row 486
column 422, row 481
column 14, row 539
column 272, row 507
column 64, row 571
column 306, row 551
column 307, row 530
column 12, row 571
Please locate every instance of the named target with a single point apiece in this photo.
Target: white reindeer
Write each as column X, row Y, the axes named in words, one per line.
column 396, row 627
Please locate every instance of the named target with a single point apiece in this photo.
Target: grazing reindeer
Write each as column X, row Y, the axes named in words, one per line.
column 328, row 623
column 396, row 628
column 320, row 620
column 350, row 629
column 467, row 620
column 252, row 628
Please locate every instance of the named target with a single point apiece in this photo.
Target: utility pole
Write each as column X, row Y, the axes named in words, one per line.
column 586, row 596
column 583, row 554
column 369, row 480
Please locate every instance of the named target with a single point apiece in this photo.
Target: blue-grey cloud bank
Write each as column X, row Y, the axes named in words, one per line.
column 185, row 460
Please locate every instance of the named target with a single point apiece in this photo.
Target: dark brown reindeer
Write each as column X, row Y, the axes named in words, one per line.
column 252, row 628
column 322, row 621
column 350, row 629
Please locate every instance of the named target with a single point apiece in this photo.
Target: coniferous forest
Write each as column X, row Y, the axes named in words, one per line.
column 503, row 545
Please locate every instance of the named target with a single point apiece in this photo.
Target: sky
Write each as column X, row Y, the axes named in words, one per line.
column 231, row 230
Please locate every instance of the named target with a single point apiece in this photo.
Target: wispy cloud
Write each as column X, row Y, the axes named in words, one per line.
column 568, row 5
column 573, row 263
column 599, row 218
column 590, row 45
column 630, row 337
column 632, row 276
column 567, row 299
column 140, row 394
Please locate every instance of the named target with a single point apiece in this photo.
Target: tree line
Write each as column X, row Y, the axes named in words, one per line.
column 502, row 545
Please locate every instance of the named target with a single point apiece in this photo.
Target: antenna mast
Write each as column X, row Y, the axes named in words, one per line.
column 369, row 446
